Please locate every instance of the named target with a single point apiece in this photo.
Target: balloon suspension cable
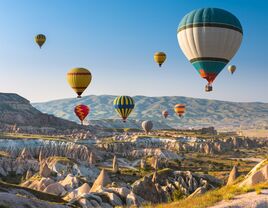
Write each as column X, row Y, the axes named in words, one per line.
column 82, row 123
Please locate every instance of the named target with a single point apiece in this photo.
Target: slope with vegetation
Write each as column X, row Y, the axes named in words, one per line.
column 199, row 112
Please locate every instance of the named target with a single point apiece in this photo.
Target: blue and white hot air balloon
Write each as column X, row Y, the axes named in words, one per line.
column 209, row 38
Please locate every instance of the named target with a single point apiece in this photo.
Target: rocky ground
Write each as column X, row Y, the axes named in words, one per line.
column 122, row 169
column 249, row 200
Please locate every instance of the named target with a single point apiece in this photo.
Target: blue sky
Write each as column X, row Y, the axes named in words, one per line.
column 116, row 40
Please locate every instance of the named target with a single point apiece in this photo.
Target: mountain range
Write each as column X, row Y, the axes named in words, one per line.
column 199, row 112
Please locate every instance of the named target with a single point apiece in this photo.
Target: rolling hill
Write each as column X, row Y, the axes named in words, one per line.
column 200, row 112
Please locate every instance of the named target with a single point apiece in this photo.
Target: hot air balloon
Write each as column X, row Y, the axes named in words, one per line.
column 160, row 57
column 124, row 105
column 81, row 112
column 179, row 109
column 40, row 39
column 79, row 79
column 147, row 126
column 231, row 68
column 165, row 113
column 209, row 38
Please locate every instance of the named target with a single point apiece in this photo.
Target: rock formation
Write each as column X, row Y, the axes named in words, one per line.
column 115, row 165
column 102, row 180
column 232, row 176
column 154, row 178
column 56, row 189
column 143, row 164
column 44, row 170
column 91, row 159
column 259, row 174
column 25, row 155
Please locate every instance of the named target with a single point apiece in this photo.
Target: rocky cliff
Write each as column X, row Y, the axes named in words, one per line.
column 17, row 114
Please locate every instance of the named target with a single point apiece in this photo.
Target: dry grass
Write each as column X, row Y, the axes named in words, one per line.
column 259, row 133
column 212, row 197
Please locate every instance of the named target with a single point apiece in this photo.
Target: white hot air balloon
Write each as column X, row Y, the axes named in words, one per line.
column 209, row 38
column 147, row 126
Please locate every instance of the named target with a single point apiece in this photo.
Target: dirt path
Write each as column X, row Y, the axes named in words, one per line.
column 248, row 200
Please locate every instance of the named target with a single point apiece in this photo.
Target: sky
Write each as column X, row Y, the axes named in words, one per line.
column 116, row 40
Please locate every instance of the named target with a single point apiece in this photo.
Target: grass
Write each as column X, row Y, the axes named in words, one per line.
column 212, row 197
column 15, row 136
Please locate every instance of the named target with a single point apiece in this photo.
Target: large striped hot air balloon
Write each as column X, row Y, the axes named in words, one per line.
column 81, row 112
column 209, row 38
column 40, row 39
column 179, row 109
column 147, row 126
column 165, row 113
column 79, row 79
column 123, row 106
column 159, row 58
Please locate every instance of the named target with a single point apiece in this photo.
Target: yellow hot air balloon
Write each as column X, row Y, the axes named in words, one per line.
column 124, row 106
column 231, row 68
column 40, row 39
column 160, row 57
column 79, row 79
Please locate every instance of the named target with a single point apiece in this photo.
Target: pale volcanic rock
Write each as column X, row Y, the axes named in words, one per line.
column 38, row 185
column 134, row 200
column 102, row 180
column 114, row 199
column 198, row 191
column 143, row 164
column 19, row 166
column 25, row 154
column 147, row 189
column 233, row 175
column 115, row 165
column 70, row 182
column 91, row 159
column 29, row 174
column 56, row 189
column 44, row 170
column 84, row 189
column 256, row 177
column 16, row 201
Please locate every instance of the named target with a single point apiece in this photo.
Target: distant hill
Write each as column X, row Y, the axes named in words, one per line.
column 15, row 109
column 200, row 112
column 118, row 124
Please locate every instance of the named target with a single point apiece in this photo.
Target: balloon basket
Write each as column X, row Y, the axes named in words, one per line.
column 208, row 88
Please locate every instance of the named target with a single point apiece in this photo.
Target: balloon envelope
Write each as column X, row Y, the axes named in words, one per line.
column 160, row 57
column 179, row 109
column 79, row 79
column 81, row 112
column 231, row 68
column 147, row 126
column 124, row 106
column 40, row 39
column 209, row 38
column 165, row 113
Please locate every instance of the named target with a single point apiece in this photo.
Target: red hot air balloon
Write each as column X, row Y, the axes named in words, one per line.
column 165, row 113
column 81, row 112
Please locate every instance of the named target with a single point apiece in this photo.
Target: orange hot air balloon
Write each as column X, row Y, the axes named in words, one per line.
column 81, row 112
column 165, row 113
column 179, row 109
